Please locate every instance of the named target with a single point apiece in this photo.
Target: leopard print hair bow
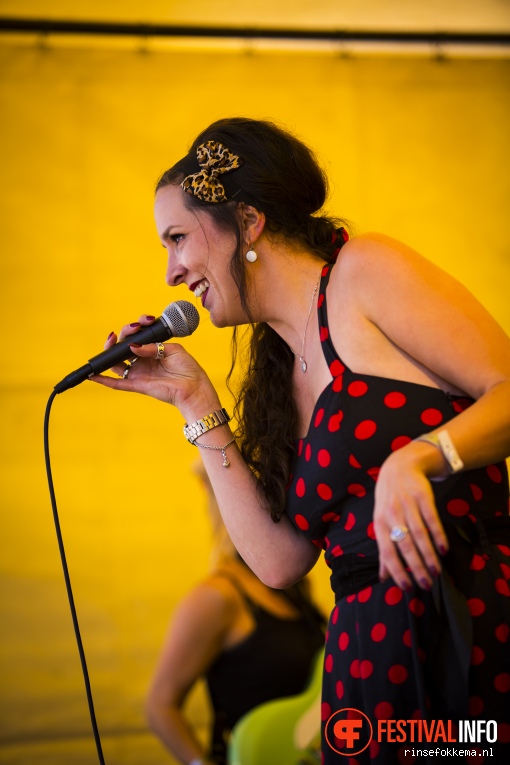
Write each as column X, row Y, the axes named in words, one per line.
column 214, row 159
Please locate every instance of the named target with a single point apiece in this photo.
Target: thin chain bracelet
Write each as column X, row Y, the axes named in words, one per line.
column 221, row 449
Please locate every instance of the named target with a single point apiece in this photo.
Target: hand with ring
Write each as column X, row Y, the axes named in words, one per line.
column 165, row 371
column 408, row 530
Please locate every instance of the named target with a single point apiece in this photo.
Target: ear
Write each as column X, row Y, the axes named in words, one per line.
column 252, row 223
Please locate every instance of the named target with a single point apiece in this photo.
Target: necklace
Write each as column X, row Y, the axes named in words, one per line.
column 301, row 356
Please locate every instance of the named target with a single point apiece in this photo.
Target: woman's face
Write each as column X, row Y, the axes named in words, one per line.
column 199, row 255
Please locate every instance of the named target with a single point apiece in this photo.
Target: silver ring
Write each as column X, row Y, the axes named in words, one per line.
column 133, row 361
column 126, row 372
column 160, row 352
column 398, row 533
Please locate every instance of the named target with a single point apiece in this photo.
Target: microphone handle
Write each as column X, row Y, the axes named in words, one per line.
column 153, row 333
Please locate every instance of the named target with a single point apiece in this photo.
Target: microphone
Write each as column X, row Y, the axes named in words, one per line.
column 179, row 319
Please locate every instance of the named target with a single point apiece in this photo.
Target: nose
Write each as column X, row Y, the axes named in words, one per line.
column 175, row 272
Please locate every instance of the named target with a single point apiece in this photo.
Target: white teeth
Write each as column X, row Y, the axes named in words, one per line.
column 201, row 288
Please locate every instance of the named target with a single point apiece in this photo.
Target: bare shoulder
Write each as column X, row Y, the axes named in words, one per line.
column 211, row 600
column 374, row 256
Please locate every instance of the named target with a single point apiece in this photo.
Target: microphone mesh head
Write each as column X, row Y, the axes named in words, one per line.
column 182, row 317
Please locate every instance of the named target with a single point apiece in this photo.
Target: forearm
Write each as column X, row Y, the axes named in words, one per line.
column 480, row 434
column 171, row 727
column 277, row 553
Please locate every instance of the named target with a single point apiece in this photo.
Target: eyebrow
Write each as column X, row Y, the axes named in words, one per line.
column 166, row 232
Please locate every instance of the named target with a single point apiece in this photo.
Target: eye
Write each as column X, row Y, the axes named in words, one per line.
column 176, row 238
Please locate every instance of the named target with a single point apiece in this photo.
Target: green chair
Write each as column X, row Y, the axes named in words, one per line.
column 283, row 731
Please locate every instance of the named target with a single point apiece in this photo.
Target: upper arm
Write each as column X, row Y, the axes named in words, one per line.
column 194, row 640
column 426, row 312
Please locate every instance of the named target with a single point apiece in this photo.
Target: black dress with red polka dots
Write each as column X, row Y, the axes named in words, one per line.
column 432, row 655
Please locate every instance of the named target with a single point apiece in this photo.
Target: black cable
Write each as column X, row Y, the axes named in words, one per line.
column 122, row 28
column 68, row 581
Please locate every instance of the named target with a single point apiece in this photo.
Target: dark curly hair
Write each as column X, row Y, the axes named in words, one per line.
column 279, row 176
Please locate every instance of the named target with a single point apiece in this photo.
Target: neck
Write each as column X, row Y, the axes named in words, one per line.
column 285, row 284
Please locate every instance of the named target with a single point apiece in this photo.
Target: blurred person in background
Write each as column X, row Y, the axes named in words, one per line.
column 250, row 643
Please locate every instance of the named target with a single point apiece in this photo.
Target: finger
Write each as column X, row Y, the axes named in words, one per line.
column 391, row 563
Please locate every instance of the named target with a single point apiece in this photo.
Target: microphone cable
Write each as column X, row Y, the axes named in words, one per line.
column 68, row 581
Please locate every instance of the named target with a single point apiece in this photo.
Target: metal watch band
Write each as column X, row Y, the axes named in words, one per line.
column 201, row 426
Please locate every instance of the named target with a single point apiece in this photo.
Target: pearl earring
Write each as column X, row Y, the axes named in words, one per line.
column 251, row 256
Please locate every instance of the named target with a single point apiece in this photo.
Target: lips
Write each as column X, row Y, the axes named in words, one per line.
column 199, row 288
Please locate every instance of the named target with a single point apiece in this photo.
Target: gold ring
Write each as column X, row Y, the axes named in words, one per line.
column 160, row 352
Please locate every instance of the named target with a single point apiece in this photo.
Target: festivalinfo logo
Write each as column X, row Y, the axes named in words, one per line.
column 349, row 732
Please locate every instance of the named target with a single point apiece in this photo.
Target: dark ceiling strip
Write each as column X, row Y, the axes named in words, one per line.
column 57, row 26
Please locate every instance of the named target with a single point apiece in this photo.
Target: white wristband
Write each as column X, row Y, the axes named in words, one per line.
column 444, row 443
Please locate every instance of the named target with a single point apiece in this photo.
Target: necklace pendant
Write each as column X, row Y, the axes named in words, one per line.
column 303, row 365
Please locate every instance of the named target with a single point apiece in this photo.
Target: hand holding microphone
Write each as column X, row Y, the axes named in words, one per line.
column 179, row 319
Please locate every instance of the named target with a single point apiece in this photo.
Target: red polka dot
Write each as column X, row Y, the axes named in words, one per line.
column 431, row 417
column 301, row 522
column 378, row 632
column 337, row 551
column 475, row 757
column 460, row 405
column 351, row 598
column 330, row 517
column 328, row 664
column 476, row 606
column 505, row 569
column 494, row 473
column 502, row 587
column 383, row 711
column 364, row 595
column 393, row 596
column 397, row 674
column 395, row 400
column 504, row 733
column 374, row 749
column 476, row 705
column 334, row 422
column 338, row 384
column 477, row 655
column 416, row 606
column 343, row 641
column 350, row 522
column 353, row 462
column 308, row 452
column 336, row 368
column 502, row 633
column 300, row 447
column 320, row 301
column 339, row 690
column 477, row 562
column 365, row 429
column 324, row 334
column 374, row 472
column 476, row 491
column 357, row 489
column 334, row 615
column 504, row 549
column 365, row 669
column 407, row 638
column 502, row 682
column 300, row 487
column 357, row 388
column 324, row 491
column 399, row 442
column 325, row 271
column 371, row 530
column 318, row 418
column 325, row 711
column 323, row 458
column 457, row 507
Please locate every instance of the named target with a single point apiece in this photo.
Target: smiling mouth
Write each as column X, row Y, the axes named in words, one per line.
column 198, row 288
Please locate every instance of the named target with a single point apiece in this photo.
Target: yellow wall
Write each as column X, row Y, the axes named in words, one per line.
column 415, row 147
